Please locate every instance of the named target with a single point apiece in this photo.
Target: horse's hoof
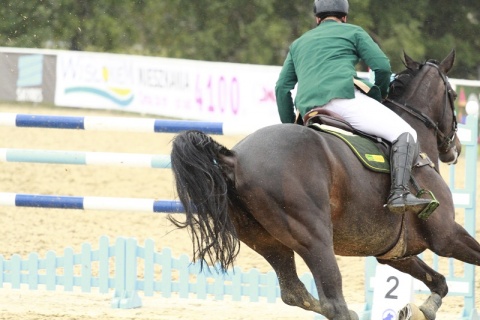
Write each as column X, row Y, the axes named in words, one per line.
column 411, row 312
column 431, row 306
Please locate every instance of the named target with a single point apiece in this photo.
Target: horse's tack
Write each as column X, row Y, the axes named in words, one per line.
column 367, row 151
column 372, row 154
column 400, row 248
column 325, row 123
column 324, row 116
column 423, row 160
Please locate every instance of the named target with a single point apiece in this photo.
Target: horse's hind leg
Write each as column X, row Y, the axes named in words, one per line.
column 282, row 259
column 436, row 282
column 318, row 254
column 312, row 239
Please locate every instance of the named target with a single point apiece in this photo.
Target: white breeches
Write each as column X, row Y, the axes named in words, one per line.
column 370, row 116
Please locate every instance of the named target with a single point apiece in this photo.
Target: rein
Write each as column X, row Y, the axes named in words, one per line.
column 443, row 141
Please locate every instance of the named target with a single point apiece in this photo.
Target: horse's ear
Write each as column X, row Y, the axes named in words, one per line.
column 410, row 63
column 447, row 63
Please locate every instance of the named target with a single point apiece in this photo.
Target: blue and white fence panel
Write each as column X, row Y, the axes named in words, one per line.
column 123, row 278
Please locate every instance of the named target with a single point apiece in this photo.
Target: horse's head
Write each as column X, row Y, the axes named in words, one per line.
column 423, row 92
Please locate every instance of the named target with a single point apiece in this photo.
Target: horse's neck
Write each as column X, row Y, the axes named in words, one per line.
column 427, row 140
column 426, row 137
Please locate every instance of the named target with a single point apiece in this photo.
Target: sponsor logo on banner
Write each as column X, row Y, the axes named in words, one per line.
column 30, row 78
column 163, row 79
column 98, row 80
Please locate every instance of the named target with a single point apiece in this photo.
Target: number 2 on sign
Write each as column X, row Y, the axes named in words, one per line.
column 390, row 294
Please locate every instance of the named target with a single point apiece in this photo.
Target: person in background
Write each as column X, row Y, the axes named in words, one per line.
column 322, row 62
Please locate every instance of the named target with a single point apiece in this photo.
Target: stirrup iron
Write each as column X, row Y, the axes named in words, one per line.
column 430, row 208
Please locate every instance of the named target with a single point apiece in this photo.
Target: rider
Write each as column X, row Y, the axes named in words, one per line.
column 322, row 61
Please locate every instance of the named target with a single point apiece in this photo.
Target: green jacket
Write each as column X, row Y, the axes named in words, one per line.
column 322, row 61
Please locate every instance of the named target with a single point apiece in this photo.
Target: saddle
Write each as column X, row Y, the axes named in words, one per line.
column 372, row 151
column 323, row 116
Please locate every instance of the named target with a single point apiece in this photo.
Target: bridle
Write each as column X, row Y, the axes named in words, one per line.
column 444, row 141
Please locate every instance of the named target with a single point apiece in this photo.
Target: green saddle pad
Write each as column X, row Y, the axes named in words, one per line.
column 365, row 149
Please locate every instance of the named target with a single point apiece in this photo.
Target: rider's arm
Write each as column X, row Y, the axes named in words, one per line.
column 376, row 59
column 285, row 83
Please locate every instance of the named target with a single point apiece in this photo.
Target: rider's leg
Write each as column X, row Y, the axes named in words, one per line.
column 403, row 153
column 370, row 116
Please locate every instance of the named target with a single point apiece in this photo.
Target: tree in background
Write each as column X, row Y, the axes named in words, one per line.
column 396, row 27
column 24, row 24
column 454, row 24
column 253, row 31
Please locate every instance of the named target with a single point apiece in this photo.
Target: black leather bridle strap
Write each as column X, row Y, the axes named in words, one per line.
column 429, row 123
column 444, row 141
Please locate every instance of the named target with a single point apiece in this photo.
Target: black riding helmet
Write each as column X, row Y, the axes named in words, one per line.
column 330, row 6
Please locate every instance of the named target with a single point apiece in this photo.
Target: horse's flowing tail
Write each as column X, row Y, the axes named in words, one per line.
column 201, row 169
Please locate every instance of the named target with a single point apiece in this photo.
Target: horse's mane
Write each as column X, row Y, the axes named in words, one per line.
column 403, row 79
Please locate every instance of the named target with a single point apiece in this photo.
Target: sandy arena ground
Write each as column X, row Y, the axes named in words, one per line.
column 26, row 230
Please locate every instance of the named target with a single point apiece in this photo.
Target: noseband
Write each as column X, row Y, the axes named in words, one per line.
column 444, row 142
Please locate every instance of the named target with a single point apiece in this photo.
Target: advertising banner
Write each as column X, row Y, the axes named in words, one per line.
column 173, row 88
column 27, row 77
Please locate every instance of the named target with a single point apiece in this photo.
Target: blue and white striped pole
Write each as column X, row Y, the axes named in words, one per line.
column 92, row 123
column 90, row 203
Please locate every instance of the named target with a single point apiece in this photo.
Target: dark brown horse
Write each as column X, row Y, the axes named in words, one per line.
column 287, row 188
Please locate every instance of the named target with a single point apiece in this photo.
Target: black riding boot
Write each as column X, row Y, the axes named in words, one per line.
column 400, row 200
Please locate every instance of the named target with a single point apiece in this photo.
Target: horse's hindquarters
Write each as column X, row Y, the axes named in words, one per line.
column 294, row 178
